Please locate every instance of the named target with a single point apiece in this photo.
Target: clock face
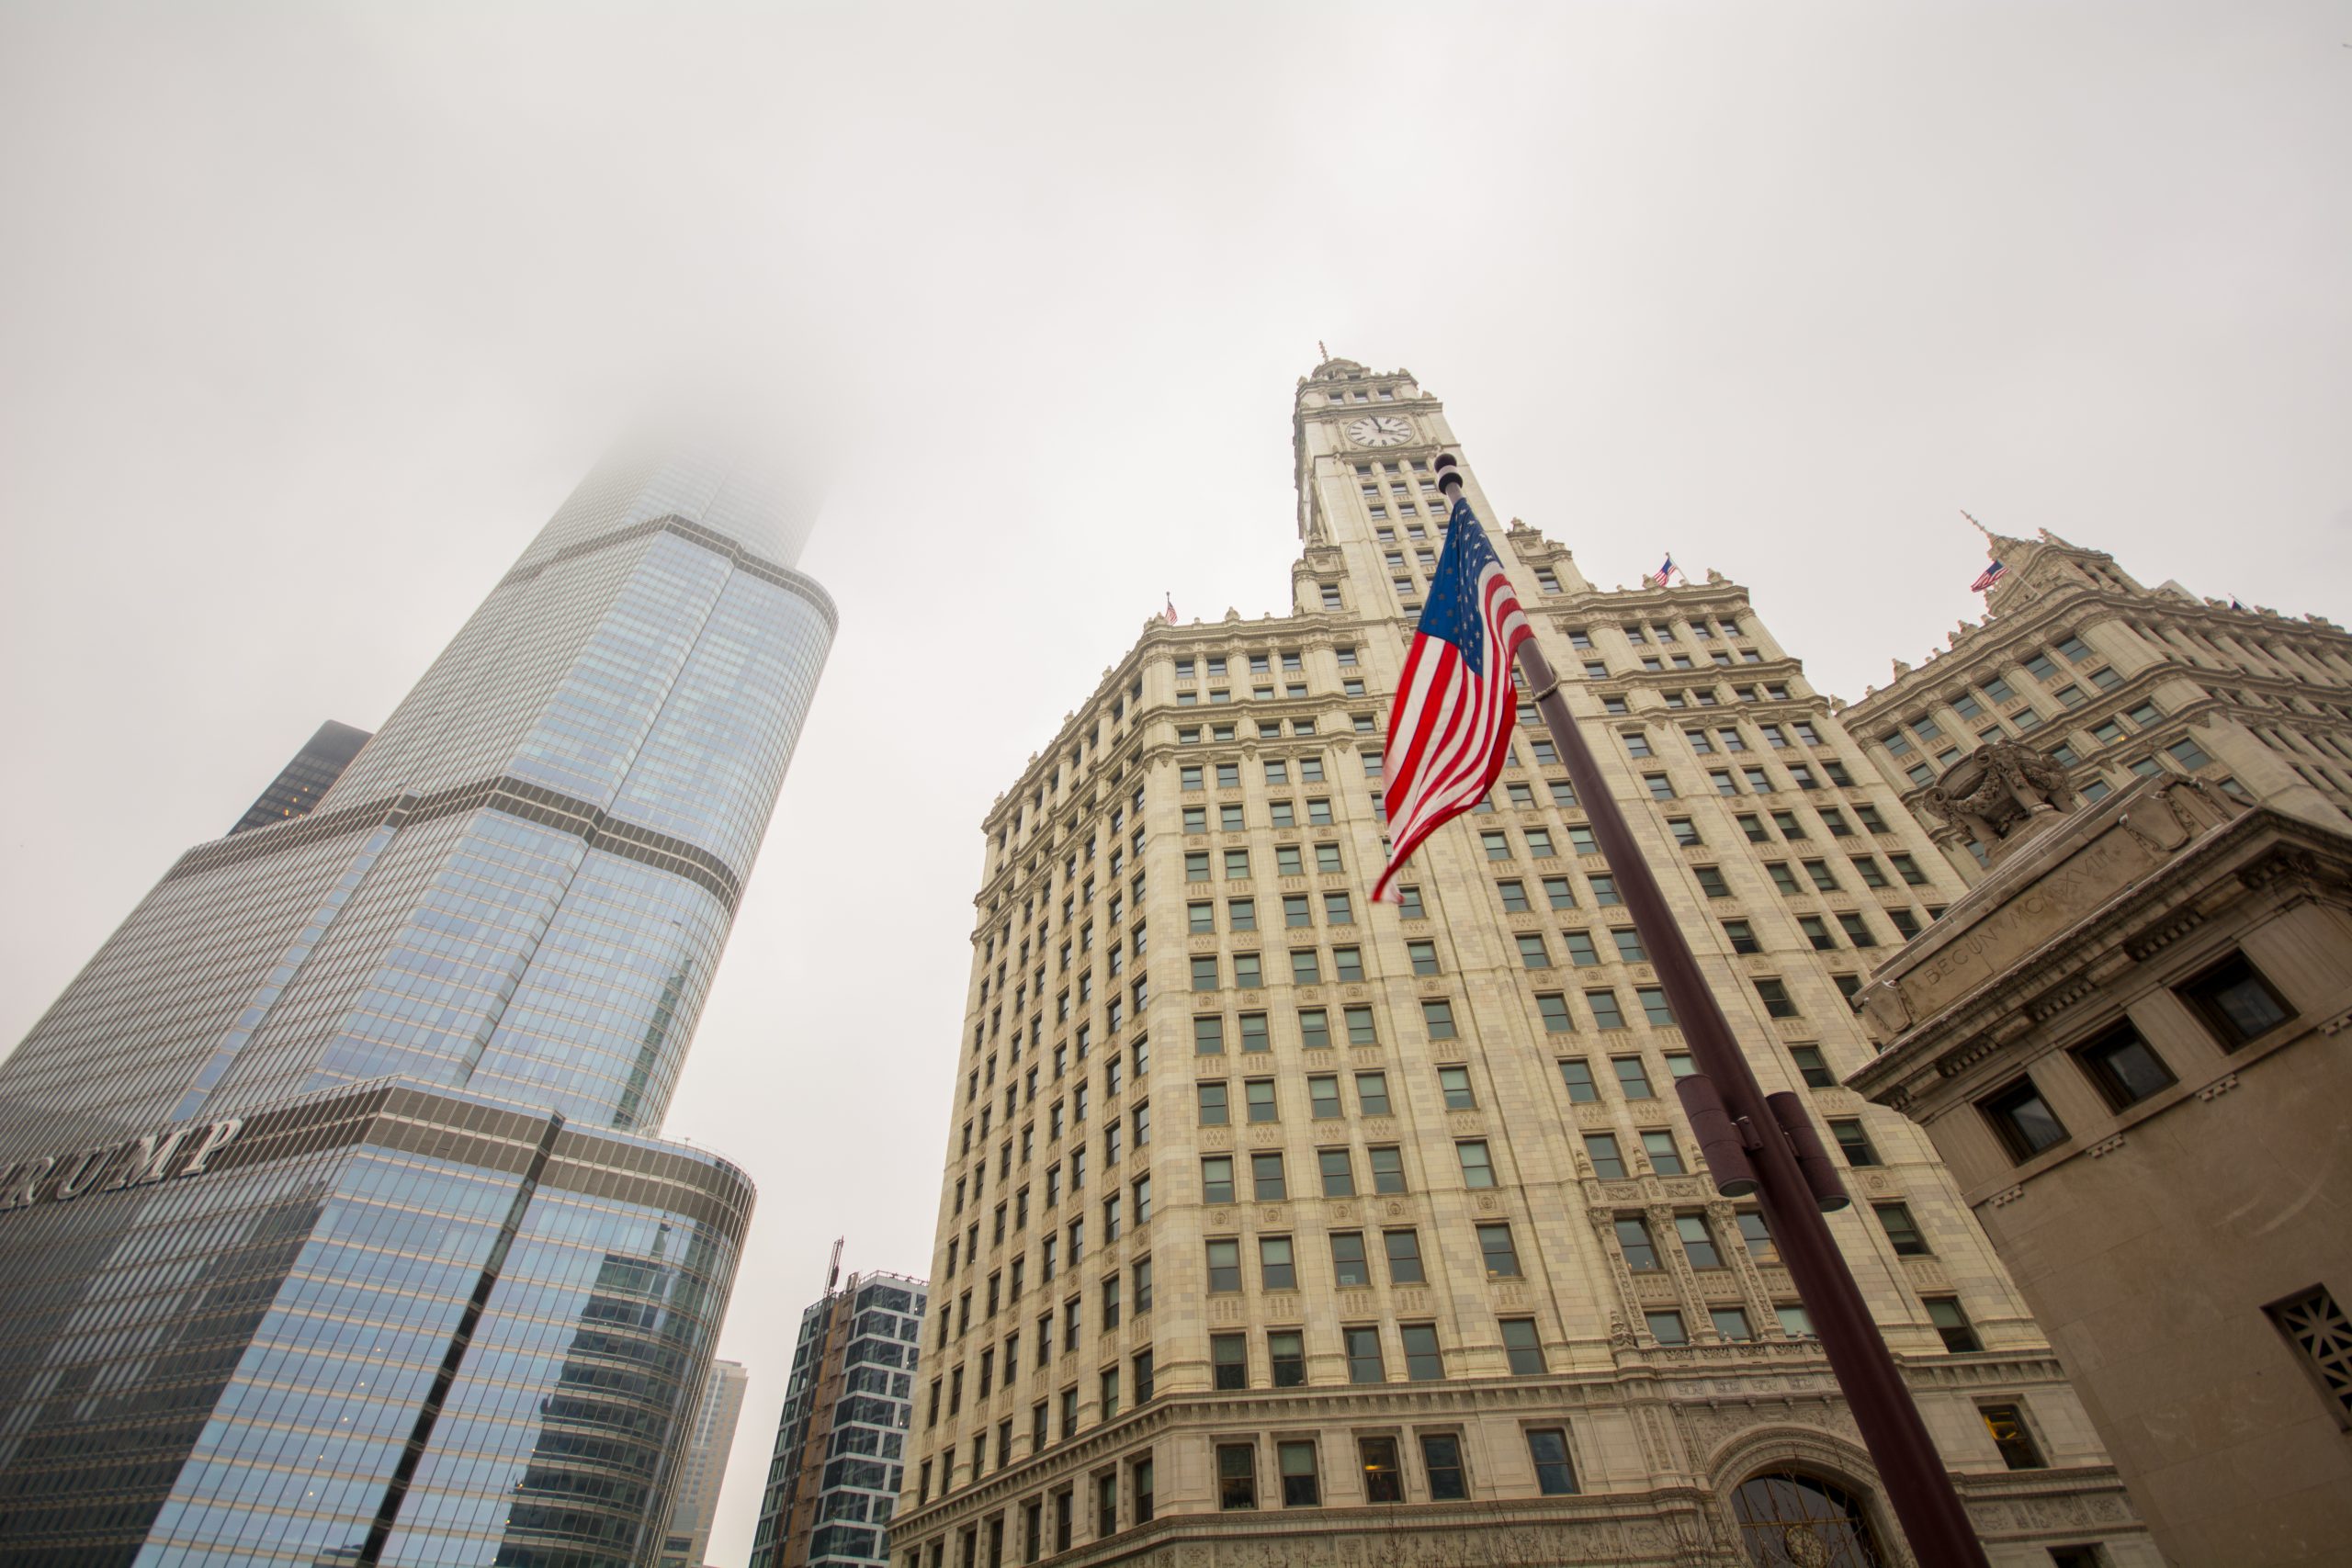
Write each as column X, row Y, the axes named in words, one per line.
column 1379, row 430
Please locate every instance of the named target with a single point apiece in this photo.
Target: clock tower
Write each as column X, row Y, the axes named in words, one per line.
column 1365, row 445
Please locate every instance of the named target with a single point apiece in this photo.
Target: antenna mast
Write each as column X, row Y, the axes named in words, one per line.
column 833, row 1269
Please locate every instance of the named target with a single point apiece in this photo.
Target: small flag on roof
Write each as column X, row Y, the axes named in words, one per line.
column 1988, row 577
column 1663, row 573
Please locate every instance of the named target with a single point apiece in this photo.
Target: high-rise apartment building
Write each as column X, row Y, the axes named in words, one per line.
column 2114, row 680
column 839, row 1460
column 302, row 782
column 1315, row 1232
column 332, row 1223
column 687, row 1540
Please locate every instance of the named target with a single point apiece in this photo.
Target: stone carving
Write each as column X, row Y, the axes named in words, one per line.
column 2176, row 811
column 2000, row 793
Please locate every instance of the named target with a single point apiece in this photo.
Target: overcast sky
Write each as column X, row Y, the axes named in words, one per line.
column 310, row 315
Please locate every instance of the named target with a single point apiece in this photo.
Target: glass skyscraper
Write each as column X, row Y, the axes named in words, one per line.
column 333, row 1224
column 838, row 1465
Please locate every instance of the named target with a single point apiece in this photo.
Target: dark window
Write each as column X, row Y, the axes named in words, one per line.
column 1895, row 1218
column 2007, row 1423
column 1494, row 1247
column 1229, row 1355
column 2023, row 1119
column 1363, row 1346
column 1225, row 1266
column 1404, row 1257
column 1384, row 1482
column 1441, row 1462
column 1951, row 1323
column 1423, row 1362
column 1237, row 1475
column 1525, row 1348
column 1266, row 1182
column 1301, row 1489
column 2123, row 1067
column 1556, row 1476
column 2236, row 1003
column 1286, row 1359
column 1854, row 1141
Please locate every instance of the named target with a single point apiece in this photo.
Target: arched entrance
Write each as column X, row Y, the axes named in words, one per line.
column 1791, row 1519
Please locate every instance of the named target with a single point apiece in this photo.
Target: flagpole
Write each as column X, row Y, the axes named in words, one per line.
column 1753, row 1144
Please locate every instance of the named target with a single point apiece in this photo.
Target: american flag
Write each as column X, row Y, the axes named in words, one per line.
column 1449, row 730
column 1662, row 573
column 1986, row 578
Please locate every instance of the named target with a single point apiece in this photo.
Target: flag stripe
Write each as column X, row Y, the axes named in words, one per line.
column 1448, row 730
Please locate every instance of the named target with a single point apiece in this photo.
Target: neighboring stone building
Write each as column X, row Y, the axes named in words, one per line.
column 704, row 1471
column 2113, row 681
column 837, row 1467
column 1274, row 1228
column 2129, row 1043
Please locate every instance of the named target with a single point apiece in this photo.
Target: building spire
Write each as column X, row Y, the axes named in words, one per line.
column 1321, row 353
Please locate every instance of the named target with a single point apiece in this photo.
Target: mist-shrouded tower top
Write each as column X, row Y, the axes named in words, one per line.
column 521, row 884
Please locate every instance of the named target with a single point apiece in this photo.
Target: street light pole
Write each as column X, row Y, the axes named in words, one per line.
column 1766, row 1144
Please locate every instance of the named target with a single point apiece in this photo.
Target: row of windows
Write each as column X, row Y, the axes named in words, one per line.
column 1314, row 1027
column 1290, row 660
column 1659, row 663
column 1049, row 1525
column 1615, row 703
column 1661, row 632
column 2235, row 1001
column 1757, row 780
column 1266, row 729
column 1728, row 737
column 1219, row 697
column 1290, row 860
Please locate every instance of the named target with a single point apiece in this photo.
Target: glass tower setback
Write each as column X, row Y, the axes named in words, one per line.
column 331, row 1227
column 296, row 790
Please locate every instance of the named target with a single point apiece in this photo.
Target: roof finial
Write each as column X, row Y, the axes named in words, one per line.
column 1975, row 525
column 1321, row 350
